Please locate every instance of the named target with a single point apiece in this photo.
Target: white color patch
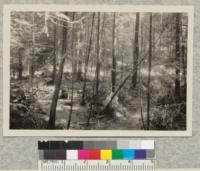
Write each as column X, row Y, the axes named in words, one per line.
column 72, row 155
column 147, row 144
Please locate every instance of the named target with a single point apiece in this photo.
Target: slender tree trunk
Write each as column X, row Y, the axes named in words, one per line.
column 113, row 55
column 98, row 59
column 52, row 115
column 93, row 102
column 153, row 42
column 140, row 78
column 80, row 52
column 31, row 65
column 87, row 61
column 75, row 44
column 136, row 49
column 54, row 55
column 149, row 74
column 33, row 47
column 59, row 41
column 184, row 52
column 103, row 25
column 73, row 73
column 160, row 40
column 80, row 64
column 141, row 100
column 101, row 37
column 122, row 67
column 178, row 59
column 20, row 64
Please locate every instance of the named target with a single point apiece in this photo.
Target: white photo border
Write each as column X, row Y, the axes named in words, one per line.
column 7, row 9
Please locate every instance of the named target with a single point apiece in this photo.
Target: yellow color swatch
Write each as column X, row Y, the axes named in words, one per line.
column 106, row 154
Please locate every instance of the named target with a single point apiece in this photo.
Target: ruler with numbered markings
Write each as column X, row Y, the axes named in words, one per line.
column 89, row 165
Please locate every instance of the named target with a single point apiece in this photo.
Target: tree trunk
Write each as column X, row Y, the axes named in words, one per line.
column 98, row 59
column 80, row 55
column 122, row 67
column 184, row 52
column 178, row 59
column 20, row 64
column 54, row 55
column 87, row 61
column 149, row 73
column 73, row 73
column 79, row 72
column 140, row 78
column 141, row 99
column 136, row 49
column 113, row 55
column 33, row 48
column 31, row 65
column 52, row 115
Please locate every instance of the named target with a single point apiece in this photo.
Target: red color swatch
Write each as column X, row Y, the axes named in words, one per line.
column 94, row 154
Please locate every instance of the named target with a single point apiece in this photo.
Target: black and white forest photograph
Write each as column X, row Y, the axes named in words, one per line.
column 98, row 70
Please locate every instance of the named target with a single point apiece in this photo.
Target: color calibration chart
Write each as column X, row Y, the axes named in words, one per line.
column 122, row 155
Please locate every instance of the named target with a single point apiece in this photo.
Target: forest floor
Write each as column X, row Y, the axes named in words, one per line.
column 80, row 114
column 42, row 92
column 30, row 106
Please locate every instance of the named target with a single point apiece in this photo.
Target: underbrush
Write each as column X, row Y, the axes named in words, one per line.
column 25, row 110
column 168, row 114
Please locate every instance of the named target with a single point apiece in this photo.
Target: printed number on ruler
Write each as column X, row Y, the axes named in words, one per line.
column 98, row 165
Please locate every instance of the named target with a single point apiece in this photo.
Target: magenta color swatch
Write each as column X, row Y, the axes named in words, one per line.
column 83, row 154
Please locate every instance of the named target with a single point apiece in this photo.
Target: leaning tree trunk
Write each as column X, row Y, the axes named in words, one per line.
column 136, row 49
column 121, row 85
column 52, row 115
column 149, row 73
column 178, row 59
column 113, row 55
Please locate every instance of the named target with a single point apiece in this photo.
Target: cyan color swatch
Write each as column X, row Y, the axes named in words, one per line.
column 129, row 154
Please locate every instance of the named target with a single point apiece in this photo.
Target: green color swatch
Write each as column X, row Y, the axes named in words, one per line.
column 117, row 154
